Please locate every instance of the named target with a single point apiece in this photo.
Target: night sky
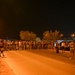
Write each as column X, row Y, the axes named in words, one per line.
column 36, row 16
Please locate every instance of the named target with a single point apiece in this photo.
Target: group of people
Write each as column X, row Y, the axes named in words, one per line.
column 66, row 45
column 63, row 45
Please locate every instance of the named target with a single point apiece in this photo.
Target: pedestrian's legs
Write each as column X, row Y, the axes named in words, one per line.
column 63, row 49
column 57, row 50
column 71, row 54
column 2, row 53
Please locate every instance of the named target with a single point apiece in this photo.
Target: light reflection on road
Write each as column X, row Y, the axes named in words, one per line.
column 26, row 63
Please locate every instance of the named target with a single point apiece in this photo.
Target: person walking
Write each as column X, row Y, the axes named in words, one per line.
column 63, row 46
column 57, row 47
column 72, row 49
column 1, row 49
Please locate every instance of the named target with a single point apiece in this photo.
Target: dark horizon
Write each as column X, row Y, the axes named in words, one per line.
column 36, row 16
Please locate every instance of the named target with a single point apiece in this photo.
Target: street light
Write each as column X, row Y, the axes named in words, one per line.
column 61, row 35
column 73, row 36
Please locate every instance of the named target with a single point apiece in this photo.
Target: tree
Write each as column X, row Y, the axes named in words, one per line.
column 56, row 35
column 51, row 36
column 46, row 35
column 27, row 36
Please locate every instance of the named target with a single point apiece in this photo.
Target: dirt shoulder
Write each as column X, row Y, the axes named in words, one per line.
column 4, row 68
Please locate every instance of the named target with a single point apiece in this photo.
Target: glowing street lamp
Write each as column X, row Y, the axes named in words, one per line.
column 61, row 35
column 72, row 35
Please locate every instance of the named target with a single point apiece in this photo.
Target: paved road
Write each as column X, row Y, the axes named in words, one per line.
column 38, row 62
column 51, row 53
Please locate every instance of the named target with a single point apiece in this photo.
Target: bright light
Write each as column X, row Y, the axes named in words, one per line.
column 72, row 35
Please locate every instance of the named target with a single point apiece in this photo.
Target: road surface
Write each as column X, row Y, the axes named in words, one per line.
column 29, row 63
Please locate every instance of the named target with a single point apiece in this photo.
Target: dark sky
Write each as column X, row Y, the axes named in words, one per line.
column 36, row 16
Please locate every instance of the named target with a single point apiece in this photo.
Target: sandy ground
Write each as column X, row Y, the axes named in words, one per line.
column 4, row 68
